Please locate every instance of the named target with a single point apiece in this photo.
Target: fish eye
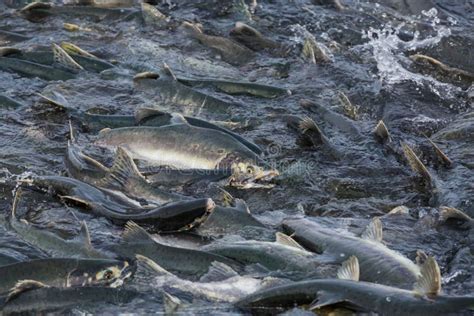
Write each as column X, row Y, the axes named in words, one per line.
column 249, row 170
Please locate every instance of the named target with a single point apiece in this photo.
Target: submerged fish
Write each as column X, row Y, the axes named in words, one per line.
column 31, row 69
column 424, row 299
column 38, row 11
column 183, row 146
column 7, row 38
column 283, row 255
column 391, row 268
column 237, row 87
column 230, row 288
column 66, row 272
column 50, row 242
column 230, row 51
column 8, row 103
column 175, row 216
column 30, row 296
column 172, row 91
column 188, row 262
column 252, row 38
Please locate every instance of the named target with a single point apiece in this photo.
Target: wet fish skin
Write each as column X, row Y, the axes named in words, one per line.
column 8, row 103
column 235, row 87
column 381, row 299
column 184, row 261
column 176, row 177
column 30, row 69
column 252, row 38
column 393, row 268
column 56, row 298
column 180, row 145
column 64, row 272
column 7, row 37
column 175, row 216
column 174, row 92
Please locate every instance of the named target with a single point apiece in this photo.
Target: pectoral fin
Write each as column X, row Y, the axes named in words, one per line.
column 325, row 298
column 218, row 271
column 23, row 286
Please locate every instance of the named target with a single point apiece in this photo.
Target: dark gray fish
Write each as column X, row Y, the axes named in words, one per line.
column 237, row 87
column 424, row 299
column 66, row 272
column 38, row 11
column 252, row 38
column 174, row 216
column 187, row 262
column 8, row 103
column 31, row 296
column 7, row 38
column 30, row 69
column 173, row 92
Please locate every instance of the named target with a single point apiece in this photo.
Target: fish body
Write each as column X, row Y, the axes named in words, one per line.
column 235, row 87
column 384, row 300
column 48, row 299
column 184, row 261
column 65, row 272
column 378, row 263
column 8, row 103
column 175, row 216
column 180, row 146
column 31, row 69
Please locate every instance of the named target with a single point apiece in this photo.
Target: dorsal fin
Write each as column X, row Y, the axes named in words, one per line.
column 177, row 118
column 401, row 209
column 71, row 134
column 146, row 75
column 74, row 49
column 421, row 257
column 218, row 271
column 36, row 5
column 309, row 128
column 441, row 155
column 63, row 58
column 227, row 198
column 242, row 205
column 57, row 99
column 16, row 200
column 23, row 286
column 415, row 162
column 142, row 114
column 349, row 269
column 286, row 240
column 373, row 231
column 152, row 265
column 134, row 233
column 446, row 213
column 192, row 27
column 169, row 72
column 171, row 303
column 429, row 282
column 84, row 235
column 5, row 51
column 121, row 172
column 381, row 131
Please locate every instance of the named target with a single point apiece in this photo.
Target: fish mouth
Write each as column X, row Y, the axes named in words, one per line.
column 127, row 271
column 262, row 180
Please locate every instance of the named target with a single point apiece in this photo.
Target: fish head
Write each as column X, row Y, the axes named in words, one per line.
column 248, row 175
column 110, row 273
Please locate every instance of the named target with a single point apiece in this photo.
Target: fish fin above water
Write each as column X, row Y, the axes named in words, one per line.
column 192, row 27
column 286, row 240
column 23, row 286
column 35, row 6
column 177, row 118
column 121, row 171
column 325, row 298
column 71, row 134
column 143, row 114
column 5, row 51
column 447, row 212
column 415, row 162
column 374, row 230
column 242, row 205
column 171, row 303
column 399, row 210
column 63, row 58
column 349, row 269
column 429, row 282
column 75, row 200
column 133, row 233
column 169, row 72
column 150, row 265
column 218, row 271
column 227, row 198
column 146, row 75
column 421, row 257
column 306, row 125
column 74, row 49
column 84, row 235
column 441, row 155
column 16, row 200
column 382, row 133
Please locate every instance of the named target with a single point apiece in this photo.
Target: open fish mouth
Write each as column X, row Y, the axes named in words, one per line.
column 127, row 271
column 262, row 180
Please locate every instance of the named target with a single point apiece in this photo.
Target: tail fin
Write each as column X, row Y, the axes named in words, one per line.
column 429, row 282
column 63, row 59
column 415, row 163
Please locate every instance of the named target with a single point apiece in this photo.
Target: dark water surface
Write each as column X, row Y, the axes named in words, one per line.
column 368, row 44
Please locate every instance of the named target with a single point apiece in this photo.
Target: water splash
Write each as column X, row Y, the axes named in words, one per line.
column 389, row 53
